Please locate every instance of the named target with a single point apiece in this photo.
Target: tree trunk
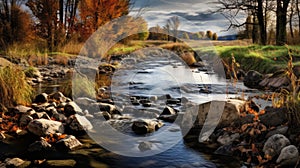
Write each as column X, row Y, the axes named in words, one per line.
column 298, row 13
column 255, row 31
column 281, row 20
column 291, row 19
column 61, row 12
column 261, row 23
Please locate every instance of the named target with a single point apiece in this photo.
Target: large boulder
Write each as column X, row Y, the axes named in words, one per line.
column 288, row 156
column 43, row 127
column 168, row 111
column 274, row 117
column 215, row 114
column 71, row 108
column 144, row 126
column 58, row 96
column 68, row 143
column 41, row 98
column 230, row 109
column 40, row 146
column 252, row 79
column 277, row 80
column 275, row 144
column 15, row 162
column 79, row 124
column 22, row 109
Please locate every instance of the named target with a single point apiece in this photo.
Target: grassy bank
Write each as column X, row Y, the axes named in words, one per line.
column 264, row 59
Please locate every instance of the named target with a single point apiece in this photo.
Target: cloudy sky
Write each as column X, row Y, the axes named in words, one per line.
column 195, row 14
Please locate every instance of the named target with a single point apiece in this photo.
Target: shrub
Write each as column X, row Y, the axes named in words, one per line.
column 30, row 72
column 14, row 88
column 188, row 57
column 290, row 98
column 215, row 36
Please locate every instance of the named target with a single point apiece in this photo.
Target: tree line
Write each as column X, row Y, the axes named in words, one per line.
column 56, row 21
column 265, row 18
column 170, row 32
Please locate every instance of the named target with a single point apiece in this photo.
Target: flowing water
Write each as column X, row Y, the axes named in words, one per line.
column 161, row 77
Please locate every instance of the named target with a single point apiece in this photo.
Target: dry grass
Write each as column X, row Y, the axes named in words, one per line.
column 188, row 57
column 41, row 59
column 176, row 47
column 73, row 48
column 290, row 98
column 61, row 59
column 14, row 88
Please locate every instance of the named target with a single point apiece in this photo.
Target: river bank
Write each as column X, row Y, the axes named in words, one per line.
column 245, row 136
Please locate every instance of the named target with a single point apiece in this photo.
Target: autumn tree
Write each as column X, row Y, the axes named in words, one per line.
column 186, row 36
column 15, row 24
column 174, row 23
column 215, row 36
column 143, row 28
column 67, row 15
column 209, row 34
column 167, row 31
column 197, row 36
column 157, row 33
column 46, row 13
column 95, row 13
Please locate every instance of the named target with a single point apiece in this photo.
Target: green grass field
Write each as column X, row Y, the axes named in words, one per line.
column 265, row 59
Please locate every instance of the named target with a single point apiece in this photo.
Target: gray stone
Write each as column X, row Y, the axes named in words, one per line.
column 168, row 111
column 25, row 120
column 40, row 115
column 108, row 108
column 168, row 118
column 40, row 146
column 277, row 80
column 225, row 150
column 43, row 127
column 71, row 108
column 289, row 156
column 79, row 124
column 58, row 96
column 84, row 101
column 273, row 117
column 275, row 144
column 144, row 146
column 59, row 117
column 279, row 130
column 23, row 109
column 252, row 79
column 104, row 114
column 143, row 126
column 68, row 143
column 230, row 111
column 41, row 98
column 16, row 162
column 227, row 139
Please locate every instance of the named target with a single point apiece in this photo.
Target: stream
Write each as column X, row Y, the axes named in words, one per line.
column 156, row 76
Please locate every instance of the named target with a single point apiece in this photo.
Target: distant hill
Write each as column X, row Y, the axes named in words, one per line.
column 228, row 37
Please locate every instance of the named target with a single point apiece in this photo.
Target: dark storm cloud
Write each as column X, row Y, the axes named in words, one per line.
column 199, row 16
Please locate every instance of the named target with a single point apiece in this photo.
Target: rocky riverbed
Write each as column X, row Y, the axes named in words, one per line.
column 54, row 130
